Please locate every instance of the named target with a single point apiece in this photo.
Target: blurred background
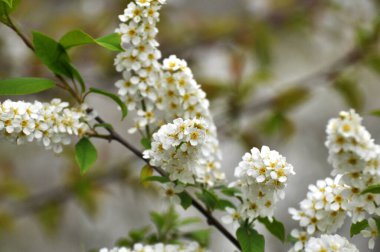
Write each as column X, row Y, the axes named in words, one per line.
column 275, row 71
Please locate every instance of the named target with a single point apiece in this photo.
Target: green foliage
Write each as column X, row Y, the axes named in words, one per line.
column 85, row 154
column 357, row 227
column 78, row 38
column 85, row 193
column 115, row 98
column 186, row 200
column 7, row 7
column 291, row 98
column 212, row 200
column 277, row 122
column 375, row 112
column 350, row 92
column 250, row 240
column 372, row 189
column 146, row 172
column 168, row 230
column 54, row 56
column 24, row 86
column 274, row 227
column 146, row 143
column 50, row 217
column 200, row 236
column 103, row 125
column 157, row 179
column 229, row 191
column 262, row 44
column 6, row 221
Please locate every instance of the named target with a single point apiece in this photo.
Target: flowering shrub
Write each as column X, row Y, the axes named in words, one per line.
column 181, row 147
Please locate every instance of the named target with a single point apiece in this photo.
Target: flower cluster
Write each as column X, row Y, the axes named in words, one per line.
column 262, row 177
column 180, row 148
column 49, row 124
column 354, row 156
column 356, row 164
column 139, row 61
column 159, row 92
column 160, row 247
column 324, row 209
column 331, row 243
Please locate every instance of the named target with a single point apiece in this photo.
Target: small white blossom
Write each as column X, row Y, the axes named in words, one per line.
column 333, row 243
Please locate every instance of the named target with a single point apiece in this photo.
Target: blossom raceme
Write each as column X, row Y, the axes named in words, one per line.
column 262, row 176
column 159, row 247
column 356, row 158
column 160, row 92
column 180, row 149
column 49, row 124
column 331, row 243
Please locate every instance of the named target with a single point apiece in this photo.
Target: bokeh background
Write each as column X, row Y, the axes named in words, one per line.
column 274, row 70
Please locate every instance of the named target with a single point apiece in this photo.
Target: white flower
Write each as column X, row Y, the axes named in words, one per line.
column 171, row 191
column 233, row 217
column 333, row 243
column 301, row 237
column 160, row 247
column 372, row 233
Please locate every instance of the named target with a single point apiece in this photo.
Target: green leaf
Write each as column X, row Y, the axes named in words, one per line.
column 111, row 42
column 76, row 38
column 6, row 7
column 357, row 227
column 54, row 56
column 375, row 189
column 157, row 179
column 275, row 227
column 186, row 200
column 103, row 125
column 223, row 204
column 189, row 221
column 146, row 143
column 200, row 236
column 250, row 240
column 146, row 172
column 230, row 191
column 23, row 86
column 350, row 92
column 9, row 3
column 375, row 112
column 115, row 98
column 209, row 198
column 85, row 154
column 291, row 98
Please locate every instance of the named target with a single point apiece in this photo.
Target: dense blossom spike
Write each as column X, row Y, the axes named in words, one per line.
column 262, row 176
column 161, row 92
column 49, row 124
column 179, row 148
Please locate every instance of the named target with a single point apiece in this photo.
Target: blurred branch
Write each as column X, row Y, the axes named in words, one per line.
column 322, row 77
column 64, row 193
